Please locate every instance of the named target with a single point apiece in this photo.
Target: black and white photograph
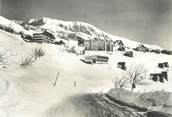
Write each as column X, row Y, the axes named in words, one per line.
column 85, row 58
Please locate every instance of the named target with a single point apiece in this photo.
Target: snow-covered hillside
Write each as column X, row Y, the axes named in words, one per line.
column 86, row 31
column 12, row 26
column 32, row 87
column 30, row 91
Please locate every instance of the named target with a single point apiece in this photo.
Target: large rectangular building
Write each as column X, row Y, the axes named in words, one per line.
column 97, row 58
column 98, row 45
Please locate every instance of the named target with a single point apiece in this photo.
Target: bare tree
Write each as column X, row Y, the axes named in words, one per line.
column 26, row 61
column 136, row 75
column 36, row 53
column 121, row 82
column 155, row 108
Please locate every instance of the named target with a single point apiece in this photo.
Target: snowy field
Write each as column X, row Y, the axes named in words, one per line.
column 29, row 91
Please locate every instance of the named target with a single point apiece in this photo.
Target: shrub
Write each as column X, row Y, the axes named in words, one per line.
column 26, row 61
column 37, row 53
column 150, row 101
column 5, row 55
column 141, row 48
column 121, row 83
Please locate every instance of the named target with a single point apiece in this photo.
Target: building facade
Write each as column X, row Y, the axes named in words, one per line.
column 98, row 45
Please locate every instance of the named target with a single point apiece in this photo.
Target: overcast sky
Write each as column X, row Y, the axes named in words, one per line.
column 147, row 21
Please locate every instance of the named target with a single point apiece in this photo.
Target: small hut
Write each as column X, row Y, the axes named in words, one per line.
column 155, row 76
column 168, row 52
column 161, row 79
column 121, row 48
column 159, row 76
column 121, row 65
column 157, row 51
column 163, row 65
column 59, row 42
column 164, row 75
column 166, row 64
column 160, row 65
column 141, row 48
column 128, row 54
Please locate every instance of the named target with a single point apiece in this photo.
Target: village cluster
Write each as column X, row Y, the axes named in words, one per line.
column 98, row 44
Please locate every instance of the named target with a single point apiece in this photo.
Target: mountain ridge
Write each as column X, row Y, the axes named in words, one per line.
column 58, row 27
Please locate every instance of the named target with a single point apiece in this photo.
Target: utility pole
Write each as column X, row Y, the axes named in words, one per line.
column 54, row 84
column 75, row 84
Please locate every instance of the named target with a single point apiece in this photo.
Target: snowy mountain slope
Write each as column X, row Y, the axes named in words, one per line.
column 32, row 87
column 12, row 26
column 85, row 30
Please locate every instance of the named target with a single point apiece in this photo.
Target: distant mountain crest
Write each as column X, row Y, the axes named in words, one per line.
column 65, row 28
